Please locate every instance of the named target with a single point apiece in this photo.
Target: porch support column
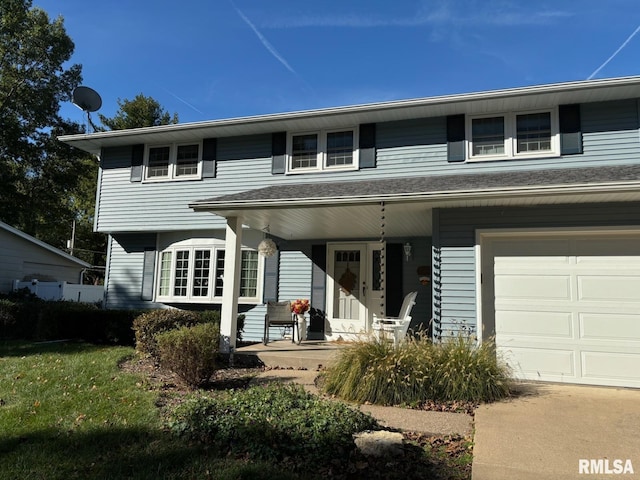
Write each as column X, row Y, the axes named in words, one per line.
column 231, row 285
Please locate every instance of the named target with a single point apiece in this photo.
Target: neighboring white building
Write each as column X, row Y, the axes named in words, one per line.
column 23, row 257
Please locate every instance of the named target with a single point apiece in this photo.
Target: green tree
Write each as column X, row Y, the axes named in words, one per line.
column 33, row 82
column 44, row 184
column 140, row 112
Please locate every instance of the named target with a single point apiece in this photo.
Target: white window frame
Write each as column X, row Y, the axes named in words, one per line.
column 191, row 247
column 321, row 161
column 173, row 163
column 511, row 137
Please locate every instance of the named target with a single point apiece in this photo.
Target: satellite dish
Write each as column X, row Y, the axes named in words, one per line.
column 88, row 100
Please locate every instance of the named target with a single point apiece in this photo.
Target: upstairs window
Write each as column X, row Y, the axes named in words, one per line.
column 323, row 150
column 513, row 135
column 173, row 162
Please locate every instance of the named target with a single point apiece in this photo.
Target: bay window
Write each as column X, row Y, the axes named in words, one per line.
column 195, row 274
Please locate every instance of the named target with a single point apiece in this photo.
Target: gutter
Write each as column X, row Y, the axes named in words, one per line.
column 612, row 187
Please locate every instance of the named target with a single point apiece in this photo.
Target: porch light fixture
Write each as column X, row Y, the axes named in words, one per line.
column 407, row 251
column 267, row 247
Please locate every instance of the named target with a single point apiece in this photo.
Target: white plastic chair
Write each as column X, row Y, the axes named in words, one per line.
column 396, row 327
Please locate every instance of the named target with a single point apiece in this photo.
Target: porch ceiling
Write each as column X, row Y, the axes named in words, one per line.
column 350, row 210
column 339, row 221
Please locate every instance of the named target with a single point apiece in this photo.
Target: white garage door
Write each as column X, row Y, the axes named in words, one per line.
column 567, row 307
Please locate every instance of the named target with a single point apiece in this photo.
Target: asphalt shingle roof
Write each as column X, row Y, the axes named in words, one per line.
column 436, row 184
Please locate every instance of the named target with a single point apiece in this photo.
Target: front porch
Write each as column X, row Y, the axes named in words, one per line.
column 309, row 355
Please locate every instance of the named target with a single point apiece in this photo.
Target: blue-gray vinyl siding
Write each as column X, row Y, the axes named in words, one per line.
column 125, row 266
column 403, row 148
column 454, row 242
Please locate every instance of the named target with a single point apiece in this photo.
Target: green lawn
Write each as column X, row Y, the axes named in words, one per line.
column 68, row 411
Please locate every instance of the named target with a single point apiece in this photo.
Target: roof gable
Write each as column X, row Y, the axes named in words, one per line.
column 43, row 245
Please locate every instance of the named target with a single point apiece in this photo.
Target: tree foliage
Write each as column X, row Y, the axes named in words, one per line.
column 140, row 112
column 44, row 184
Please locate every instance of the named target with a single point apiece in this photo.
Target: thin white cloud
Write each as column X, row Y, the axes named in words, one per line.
column 183, row 101
column 624, row 44
column 443, row 13
column 263, row 40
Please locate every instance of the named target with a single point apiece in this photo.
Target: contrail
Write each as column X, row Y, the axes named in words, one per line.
column 183, row 101
column 624, row 44
column 264, row 41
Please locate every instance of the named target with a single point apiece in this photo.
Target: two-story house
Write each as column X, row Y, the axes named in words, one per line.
column 513, row 213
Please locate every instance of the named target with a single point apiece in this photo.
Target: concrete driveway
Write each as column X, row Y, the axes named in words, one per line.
column 549, row 431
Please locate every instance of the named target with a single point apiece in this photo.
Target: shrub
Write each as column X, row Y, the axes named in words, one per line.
column 271, row 422
column 190, row 352
column 63, row 320
column 213, row 316
column 418, row 371
column 148, row 325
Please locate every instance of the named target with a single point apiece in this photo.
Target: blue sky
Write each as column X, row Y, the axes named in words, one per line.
column 214, row 59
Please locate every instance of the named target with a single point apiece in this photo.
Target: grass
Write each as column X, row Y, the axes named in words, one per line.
column 67, row 411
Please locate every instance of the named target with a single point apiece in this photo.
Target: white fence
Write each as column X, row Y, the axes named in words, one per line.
column 71, row 292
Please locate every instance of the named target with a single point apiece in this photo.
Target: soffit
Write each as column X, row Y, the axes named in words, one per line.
column 474, row 103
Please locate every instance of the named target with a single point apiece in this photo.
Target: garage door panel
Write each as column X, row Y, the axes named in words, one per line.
column 538, row 364
column 609, row 288
column 610, row 366
column 568, row 309
column 512, row 323
column 542, row 246
column 624, row 328
column 533, row 287
column 602, row 246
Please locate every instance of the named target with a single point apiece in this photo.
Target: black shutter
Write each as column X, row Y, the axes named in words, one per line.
column 209, row 146
column 367, row 145
column 271, row 267
column 318, row 292
column 278, row 153
column 570, row 129
column 455, row 138
column 394, row 258
column 137, row 159
column 148, row 273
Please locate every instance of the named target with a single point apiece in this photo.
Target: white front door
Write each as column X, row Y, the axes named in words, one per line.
column 354, row 289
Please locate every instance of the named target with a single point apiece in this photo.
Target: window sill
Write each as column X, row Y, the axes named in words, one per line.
column 170, row 180
column 530, row 156
column 205, row 300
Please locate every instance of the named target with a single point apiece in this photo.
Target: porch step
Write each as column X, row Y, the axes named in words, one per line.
column 310, row 355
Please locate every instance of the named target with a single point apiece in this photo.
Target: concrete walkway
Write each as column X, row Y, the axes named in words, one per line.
column 431, row 423
column 545, row 432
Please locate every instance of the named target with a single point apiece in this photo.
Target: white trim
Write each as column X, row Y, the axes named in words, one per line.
column 567, row 92
column 510, row 139
column 483, row 238
column 321, row 154
column 173, row 163
column 214, row 246
column 495, row 192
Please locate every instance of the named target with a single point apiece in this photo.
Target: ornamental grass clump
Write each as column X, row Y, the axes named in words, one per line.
column 417, row 371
